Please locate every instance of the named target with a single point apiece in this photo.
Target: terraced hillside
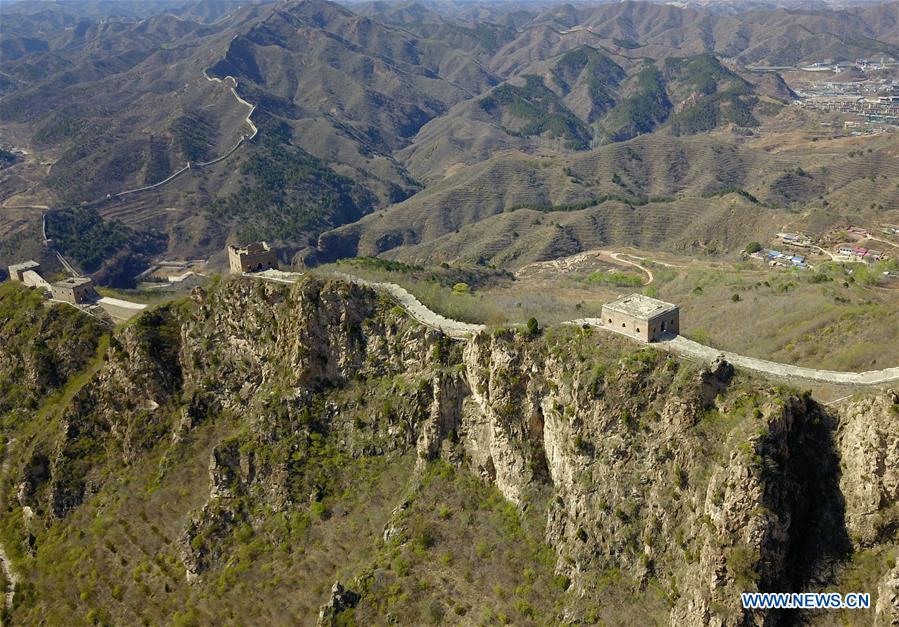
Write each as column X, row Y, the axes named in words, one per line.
column 588, row 97
column 709, row 194
column 393, row 108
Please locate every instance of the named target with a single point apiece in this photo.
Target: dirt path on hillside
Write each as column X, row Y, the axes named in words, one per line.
column 646, row 271
column 609, row 256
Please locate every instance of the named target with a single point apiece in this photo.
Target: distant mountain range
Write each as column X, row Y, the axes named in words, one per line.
column 365, row 106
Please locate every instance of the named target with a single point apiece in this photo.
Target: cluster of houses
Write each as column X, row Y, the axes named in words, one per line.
column 795, row 239
column 856, row 252
column 859, row 253
column 778, row 258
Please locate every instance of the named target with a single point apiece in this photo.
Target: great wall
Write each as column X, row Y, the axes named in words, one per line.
column 678, row 345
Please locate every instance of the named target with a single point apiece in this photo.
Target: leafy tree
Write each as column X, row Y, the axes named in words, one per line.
column 753, row 247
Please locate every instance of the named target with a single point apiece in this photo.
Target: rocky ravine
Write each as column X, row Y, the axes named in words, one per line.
column 664, row 482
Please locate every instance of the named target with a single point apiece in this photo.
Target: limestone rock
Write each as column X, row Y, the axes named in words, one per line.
column 886, row 612
column 339, row 601
column 869, row 447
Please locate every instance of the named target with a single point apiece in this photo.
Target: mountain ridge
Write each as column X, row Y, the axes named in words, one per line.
column 394, row 103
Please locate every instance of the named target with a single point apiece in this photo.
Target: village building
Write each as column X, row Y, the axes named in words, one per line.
column 252, row 257
column 17, row 271
column 645, row 318
column 75, row 290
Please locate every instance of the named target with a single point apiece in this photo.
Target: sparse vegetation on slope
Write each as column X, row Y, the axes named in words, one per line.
column 594, row 69
column 321, row 437
column 535, row 110
column 194, row 134
column 289, row 195
column 43, row 346
column 643, row 110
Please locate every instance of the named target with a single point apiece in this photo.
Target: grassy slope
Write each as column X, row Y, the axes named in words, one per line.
column 465, row 555
column 811, row 319
column 802, row 317
column 43, row 346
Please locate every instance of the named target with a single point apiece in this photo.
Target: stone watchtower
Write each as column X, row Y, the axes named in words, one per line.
column 643, row 317
column 75, row 290
column 17, row 271
column 252, row 257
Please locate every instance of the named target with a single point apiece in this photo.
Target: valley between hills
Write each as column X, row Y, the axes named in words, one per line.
column 422, row 417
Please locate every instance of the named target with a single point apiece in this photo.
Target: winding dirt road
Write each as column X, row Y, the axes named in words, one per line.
column 614, row 257
column 617, row 257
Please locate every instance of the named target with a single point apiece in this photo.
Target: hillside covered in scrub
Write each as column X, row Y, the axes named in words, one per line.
column 272, row 454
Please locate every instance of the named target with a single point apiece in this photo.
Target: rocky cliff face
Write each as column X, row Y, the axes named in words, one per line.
column 40, row 347
column 662, row 485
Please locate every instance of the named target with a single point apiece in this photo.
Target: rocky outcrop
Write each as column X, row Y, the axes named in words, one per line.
column 444, row 419
column 655, row 474
column 868, row 440
column 886, row 612
column 206, row 537
column 502, row 421
column 339, row 600
column 659, row 471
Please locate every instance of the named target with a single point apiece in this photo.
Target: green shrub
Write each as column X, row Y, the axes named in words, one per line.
column 616, row 279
